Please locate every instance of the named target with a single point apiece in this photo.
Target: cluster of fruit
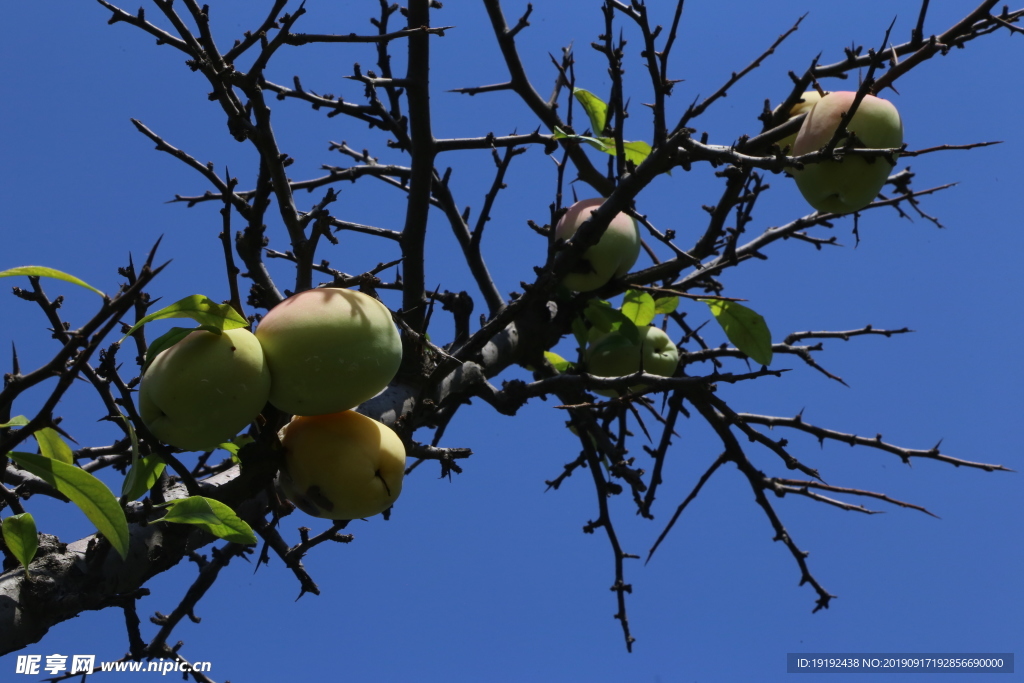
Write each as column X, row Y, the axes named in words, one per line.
column 322, row 352
column 611, row 354
column 316, row 355
column 839, row 185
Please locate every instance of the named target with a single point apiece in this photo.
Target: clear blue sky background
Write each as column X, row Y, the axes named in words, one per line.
column 489, row 577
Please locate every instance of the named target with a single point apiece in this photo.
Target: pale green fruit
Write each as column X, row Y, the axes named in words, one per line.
column 806, row 103
column 613, row 255
column 341, row 466
column 853, row 182
column 328, row 350
column 613, row 355
column 204, row 389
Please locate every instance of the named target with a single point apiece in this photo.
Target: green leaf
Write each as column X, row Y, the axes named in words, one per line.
column 607, row 319
column 600, row 314
column 666, row 304
column 84, row 490
column 21, row 538
column 610, row 342
column 144, row 471
column 606, row 145
column 744, row 328
column 172, row 337
column 53, row 447
column 560, row 134
column 202, row 309
column 236, row 444
column 131, row 435
column 19, row 421
column 596, row 109
column 597, row 143
column 636, row 152
column 639, row 307
column 43, row 271
column 557, row 362
column 212, row 516
column 579, row 330
column 166, row 341
column 141, row 477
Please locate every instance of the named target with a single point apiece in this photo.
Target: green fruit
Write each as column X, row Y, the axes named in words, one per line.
column 806, row 103
column 853, row 182
column 204, row 389
column 612, row 256
column 613, row 355
column 328, row 350
column 341, row 466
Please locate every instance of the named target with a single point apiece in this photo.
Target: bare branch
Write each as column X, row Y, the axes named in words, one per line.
column 822, row 434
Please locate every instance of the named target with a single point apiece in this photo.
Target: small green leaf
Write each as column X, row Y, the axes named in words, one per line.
column 84, row 490
column 596, row 109
column 43, row 271
column 21, row 538
column 212, row 516
column 144, row 471
column 600, row 313
column 237, row 443
column 557, row 362
column 166, row 341
column 172, row 337
column 142, row 476
column 606, row 145
column 666, row 304
column 597, row 143
column 19, row 421
column 52, row 446
column 639, row 307
column 579, row 330
column 609, row 342
column 131, row 435
column 607, row 319
column 744, row 328
column 636, row 151
column 202, row 309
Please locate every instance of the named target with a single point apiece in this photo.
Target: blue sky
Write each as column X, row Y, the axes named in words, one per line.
column 489, row 577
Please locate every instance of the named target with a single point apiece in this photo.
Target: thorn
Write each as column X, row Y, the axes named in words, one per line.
column 152, row 253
